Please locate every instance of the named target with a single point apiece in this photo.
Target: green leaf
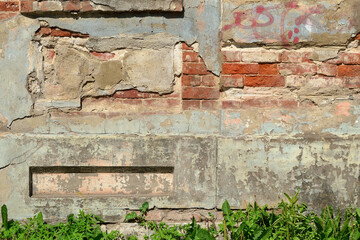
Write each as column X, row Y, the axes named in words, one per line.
column 287, row 196
column 358, row 212
column 226, row 208
column 345, row 227
column 202, row 234
column 355, row 235
column 40, row 220
column 4, row 216
column 318, row 223
column 144, row 207
column 130, row 216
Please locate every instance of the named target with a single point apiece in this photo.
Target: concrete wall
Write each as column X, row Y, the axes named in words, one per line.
column 107, row 104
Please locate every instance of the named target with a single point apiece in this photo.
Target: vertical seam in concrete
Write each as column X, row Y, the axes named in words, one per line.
column 216, row 171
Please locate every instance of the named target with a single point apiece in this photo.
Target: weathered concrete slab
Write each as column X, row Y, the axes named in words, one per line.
column 262, row 169
column 112, row 165
column 328, row 22
column 138, row 5
column 44, row 6
column 339, row 119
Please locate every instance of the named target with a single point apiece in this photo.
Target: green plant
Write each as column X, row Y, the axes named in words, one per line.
column 85, row 226
column 133, row 217
column 253, row 223
column 292, row 223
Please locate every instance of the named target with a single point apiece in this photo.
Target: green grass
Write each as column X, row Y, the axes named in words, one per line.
column 293, row 221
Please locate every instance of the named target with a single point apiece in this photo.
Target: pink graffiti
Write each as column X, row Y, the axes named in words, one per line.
column 250, row 20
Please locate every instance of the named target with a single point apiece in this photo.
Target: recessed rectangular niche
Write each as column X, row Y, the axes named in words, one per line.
column 101, row 181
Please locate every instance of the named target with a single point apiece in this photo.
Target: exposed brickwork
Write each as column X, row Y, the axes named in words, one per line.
column 11, row 6
column 295, row 56
column 264, row 81
column 348, row 70
column 9, row 9
column 197, row 82
column 240, row 68
column 309, row 68
column 268, row 69
column 57, row 32
column 102, row 56
column 232, row 81
column 200, row 93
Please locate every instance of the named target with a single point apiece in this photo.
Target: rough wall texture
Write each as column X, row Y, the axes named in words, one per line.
column 108, row 104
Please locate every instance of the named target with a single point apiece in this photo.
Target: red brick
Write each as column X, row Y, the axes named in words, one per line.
column 239, row 68
column 7, row 15
column 231, row 104
column 264, row 81
column 9, row 6
column 79, row 35
column 348, row 70
column 191, row 104
column 209, row 81
column 133, row 93
column 268, row 69
column 322, row 82
column 86, row 6
column 191, row 80
column 132, row 101
column 186, row 47
column 210, row 105
column 357, row 37
column 338, row 60
column 190, row 56
column 327, row 69
column 162, row 103
column 231, row 56
column 200, row 93
column 353, row 82
column 295, row 56
column 229, row 81
column 288, row 103
column 194, row 68
column 168, row 95
column 351, row 58
column 60, row 33
column 103, row 56
column 257, row 102
column 44, row 31
column 26, row 6
column 72, row 5
column 297, row 69
column 249, row 103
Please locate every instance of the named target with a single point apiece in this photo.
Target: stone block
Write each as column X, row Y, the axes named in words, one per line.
column 59, row 174
column 262, row 170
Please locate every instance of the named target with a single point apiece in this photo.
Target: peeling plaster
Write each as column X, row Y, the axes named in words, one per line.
column 15, row 36
column 193, row 27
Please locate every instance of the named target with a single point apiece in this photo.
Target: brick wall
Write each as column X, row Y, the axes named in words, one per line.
column 9, row 9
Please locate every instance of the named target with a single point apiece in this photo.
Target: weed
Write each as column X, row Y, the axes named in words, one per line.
column 255, row 222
